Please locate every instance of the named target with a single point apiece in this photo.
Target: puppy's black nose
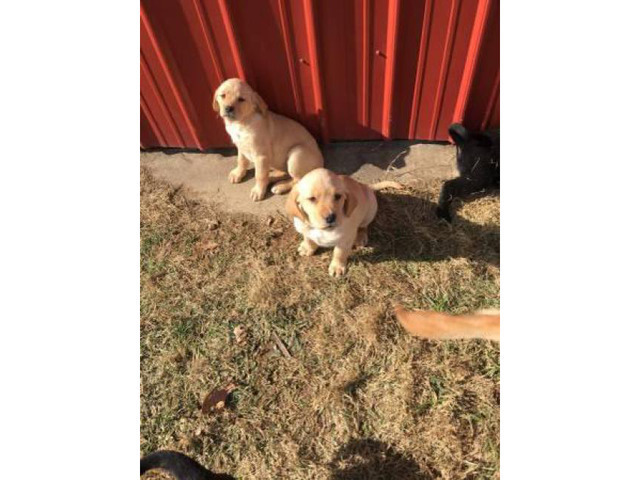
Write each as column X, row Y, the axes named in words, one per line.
column 228, row 109
column 331, row 218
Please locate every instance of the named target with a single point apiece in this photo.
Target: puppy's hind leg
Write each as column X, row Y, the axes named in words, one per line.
column 283, row 183
column 276, row 175
column 361, row 238
column 282, row 187
column 303, row 159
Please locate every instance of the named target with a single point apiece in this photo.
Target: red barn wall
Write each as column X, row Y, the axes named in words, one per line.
column 346, row 69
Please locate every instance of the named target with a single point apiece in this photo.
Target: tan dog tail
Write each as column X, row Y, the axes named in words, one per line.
column 441, row 326
column 386, row 184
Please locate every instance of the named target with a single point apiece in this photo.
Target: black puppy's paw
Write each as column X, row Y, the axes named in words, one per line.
column 443, row 214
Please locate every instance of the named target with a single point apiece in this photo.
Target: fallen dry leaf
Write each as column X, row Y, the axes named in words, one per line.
column 216, row 400
column 241, row 335
column 209, row 246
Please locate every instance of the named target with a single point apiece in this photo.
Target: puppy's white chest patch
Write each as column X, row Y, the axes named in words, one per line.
column 237, row 133
column 243, row 135
column 299, row 225
column 324, row 238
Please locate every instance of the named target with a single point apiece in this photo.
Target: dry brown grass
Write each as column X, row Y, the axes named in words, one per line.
column 359, row 398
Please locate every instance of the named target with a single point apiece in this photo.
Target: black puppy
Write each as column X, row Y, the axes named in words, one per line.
column 180, row 466
column 478, row 160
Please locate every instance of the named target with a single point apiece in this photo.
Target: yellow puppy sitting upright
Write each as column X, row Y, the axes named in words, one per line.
column 275, row 144
column 332, row 210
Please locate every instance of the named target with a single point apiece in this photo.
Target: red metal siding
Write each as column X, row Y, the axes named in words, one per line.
column 346, row 69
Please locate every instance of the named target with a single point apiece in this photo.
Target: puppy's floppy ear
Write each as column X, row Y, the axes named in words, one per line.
column 260, row 104
column 292, row 207
column 216, row 107
column 459, row 134
column 350, row 201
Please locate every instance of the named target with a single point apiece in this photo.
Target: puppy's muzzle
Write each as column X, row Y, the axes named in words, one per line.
column 229, row 112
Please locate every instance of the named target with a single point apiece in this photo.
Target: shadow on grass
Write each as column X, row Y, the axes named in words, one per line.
column 373, row 459
column 406, row 228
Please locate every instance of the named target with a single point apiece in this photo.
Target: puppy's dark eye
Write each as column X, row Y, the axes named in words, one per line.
column 241, row 99
column 337, row 196
column 222, row 95
column 312, row 199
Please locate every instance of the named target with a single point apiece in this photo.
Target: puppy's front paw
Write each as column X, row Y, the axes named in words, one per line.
column 443, row 214
column 258, row 193
column 236, row 175
column 337, row 269
column 306, row 250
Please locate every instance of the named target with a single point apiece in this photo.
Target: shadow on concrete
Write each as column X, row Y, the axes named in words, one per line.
column 406, row 228
column 372, row 459
column 205, row 176
column 346, row 158
column 224, row 152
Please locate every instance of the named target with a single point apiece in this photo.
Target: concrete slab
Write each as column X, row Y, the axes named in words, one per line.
column 204, row 175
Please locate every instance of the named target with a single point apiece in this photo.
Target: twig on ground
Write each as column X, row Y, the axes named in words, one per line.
column 280, row 345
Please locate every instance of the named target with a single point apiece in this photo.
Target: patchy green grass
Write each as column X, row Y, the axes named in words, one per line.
column 358, row 398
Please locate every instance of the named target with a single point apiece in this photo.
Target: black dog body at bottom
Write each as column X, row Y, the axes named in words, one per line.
column 180, row 466
column 478, row 162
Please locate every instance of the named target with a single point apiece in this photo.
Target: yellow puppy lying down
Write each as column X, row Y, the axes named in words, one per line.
column 331, row 210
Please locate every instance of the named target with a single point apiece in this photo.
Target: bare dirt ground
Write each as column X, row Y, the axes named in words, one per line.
column 358, row 398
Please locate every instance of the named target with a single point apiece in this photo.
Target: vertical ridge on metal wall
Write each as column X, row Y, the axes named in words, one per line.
column 390, row 66
column 170, row 79
column 321, row 110
column 366, row 60
column 290, row 54
column 492, row 102
column 422, row 61
column 155, row 90
column 471, row 63
column 482, row 107
column 152, row 121
column 444, row 66
column 233, row 41
column 206, row 33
